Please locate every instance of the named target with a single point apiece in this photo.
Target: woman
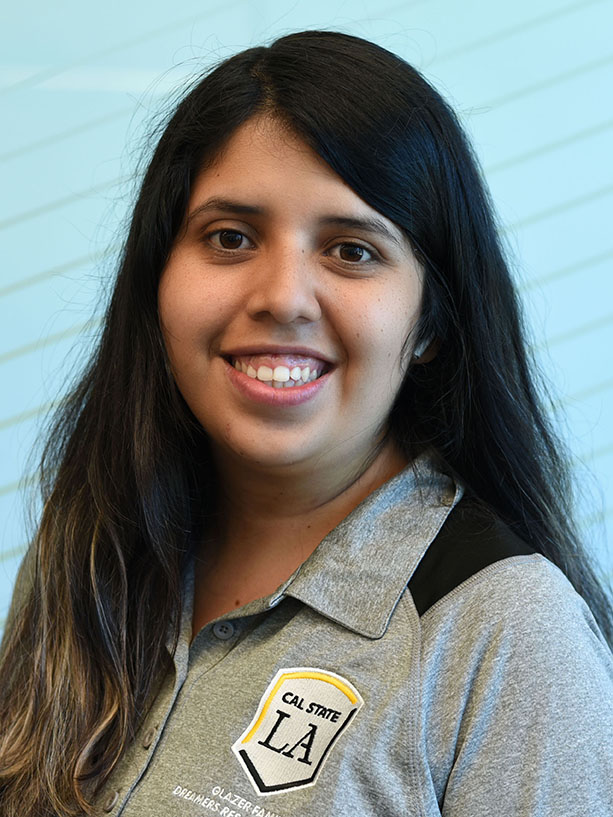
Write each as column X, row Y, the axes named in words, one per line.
column 306, row 526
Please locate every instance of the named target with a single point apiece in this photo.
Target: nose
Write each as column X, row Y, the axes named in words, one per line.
column 284, row 287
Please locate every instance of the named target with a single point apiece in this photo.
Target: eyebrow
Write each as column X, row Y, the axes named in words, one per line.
column 369, row 224
column 227, row 206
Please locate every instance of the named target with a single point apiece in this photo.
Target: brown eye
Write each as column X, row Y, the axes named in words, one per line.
column 230, row 239
column 353, row 253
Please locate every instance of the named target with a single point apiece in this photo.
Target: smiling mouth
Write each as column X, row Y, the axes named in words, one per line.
column 280, row 371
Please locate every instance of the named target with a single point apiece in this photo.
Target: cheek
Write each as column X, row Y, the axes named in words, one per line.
column 191, row 314
column 179, row 304
column 380, row 329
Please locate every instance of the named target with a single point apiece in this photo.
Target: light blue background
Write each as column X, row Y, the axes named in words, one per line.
column 78, row 81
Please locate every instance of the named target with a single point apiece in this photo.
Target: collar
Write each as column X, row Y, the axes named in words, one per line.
column 357, row 574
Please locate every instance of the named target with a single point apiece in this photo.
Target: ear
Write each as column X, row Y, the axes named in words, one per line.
column 425, row 351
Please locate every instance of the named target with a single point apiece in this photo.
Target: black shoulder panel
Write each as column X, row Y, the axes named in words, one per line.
column 469, row 540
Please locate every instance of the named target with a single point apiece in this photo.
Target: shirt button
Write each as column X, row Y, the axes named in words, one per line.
column 148, row 737
column 223, row 630
column 111, row 802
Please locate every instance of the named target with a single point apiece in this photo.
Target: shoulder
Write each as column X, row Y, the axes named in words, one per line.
column 470, row 540
column 524, row 602
column 478, row 572
column 510, row 624
column 480, row 586
column 517, row 685
column 512, row 637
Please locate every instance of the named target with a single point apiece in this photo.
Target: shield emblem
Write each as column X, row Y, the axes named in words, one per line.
column 299, row 719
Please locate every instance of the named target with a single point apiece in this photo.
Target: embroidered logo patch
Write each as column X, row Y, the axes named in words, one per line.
column 300, row 717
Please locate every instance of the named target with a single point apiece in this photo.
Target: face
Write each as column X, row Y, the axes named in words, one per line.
column 285, row 306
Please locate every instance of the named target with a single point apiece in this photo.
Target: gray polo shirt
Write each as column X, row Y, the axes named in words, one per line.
column 333, row 697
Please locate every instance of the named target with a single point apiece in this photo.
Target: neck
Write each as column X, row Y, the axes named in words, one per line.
column 305, row 499
column 267, row 527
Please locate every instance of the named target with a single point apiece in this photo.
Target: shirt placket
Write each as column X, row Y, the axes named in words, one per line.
column 213, row 643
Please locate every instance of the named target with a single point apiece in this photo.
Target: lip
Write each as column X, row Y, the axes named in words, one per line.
column 258, row 392
column 273, row 349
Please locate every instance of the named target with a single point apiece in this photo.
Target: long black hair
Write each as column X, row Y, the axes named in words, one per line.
column 126, row 464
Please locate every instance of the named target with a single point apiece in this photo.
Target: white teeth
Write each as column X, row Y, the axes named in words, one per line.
column 281, row 374
column 264, row 373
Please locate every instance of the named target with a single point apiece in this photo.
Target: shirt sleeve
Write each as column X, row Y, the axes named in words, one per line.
column 519, row 698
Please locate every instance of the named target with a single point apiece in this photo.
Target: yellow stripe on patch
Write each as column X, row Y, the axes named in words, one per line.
column 318, row 676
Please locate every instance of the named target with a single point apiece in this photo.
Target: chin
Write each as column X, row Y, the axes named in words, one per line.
column 265, row 456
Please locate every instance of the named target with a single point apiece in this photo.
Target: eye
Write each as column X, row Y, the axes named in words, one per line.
column 353, row 253
column 229, row 240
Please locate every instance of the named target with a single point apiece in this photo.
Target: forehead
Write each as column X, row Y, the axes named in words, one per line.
column 269, row 168
column 267, row 139
column 261, row 157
